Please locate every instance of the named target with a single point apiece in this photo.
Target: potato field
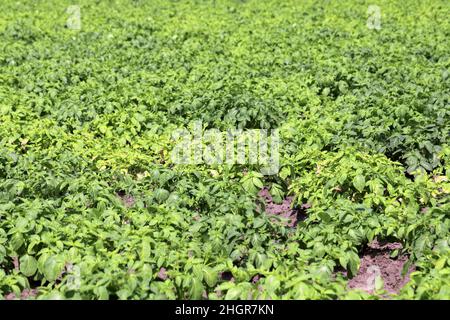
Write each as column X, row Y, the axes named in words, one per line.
column 224, row 149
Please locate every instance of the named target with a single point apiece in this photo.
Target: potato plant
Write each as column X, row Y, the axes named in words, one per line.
column 92, row 206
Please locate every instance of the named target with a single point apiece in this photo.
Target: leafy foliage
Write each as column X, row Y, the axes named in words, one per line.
column 87, row 184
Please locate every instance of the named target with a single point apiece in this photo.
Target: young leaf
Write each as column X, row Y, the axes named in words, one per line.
column 359, row 182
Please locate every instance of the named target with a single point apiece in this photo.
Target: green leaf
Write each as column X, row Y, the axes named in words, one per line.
column 277, row 193
column 285, row 172
column 161, row 195
column 258, row 222
column 359, row 182
column 249, row 186
column 210, row 276
column 146, row 249
column 16, row 241
column 226, row 285
column 123, row 294
column 257, row 183
column 28, row 265
column 440, row 263
column 102, row 293
column 196, row 289
column 325, row 216
column 343, row 260
column 379, row 283
column 2, row 253
column 233, row 293
column 353, row 264
column 52, row 268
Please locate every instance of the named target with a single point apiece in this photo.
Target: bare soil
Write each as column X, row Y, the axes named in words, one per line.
column 284, row 209
column 376, row 261
column 127, row 199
